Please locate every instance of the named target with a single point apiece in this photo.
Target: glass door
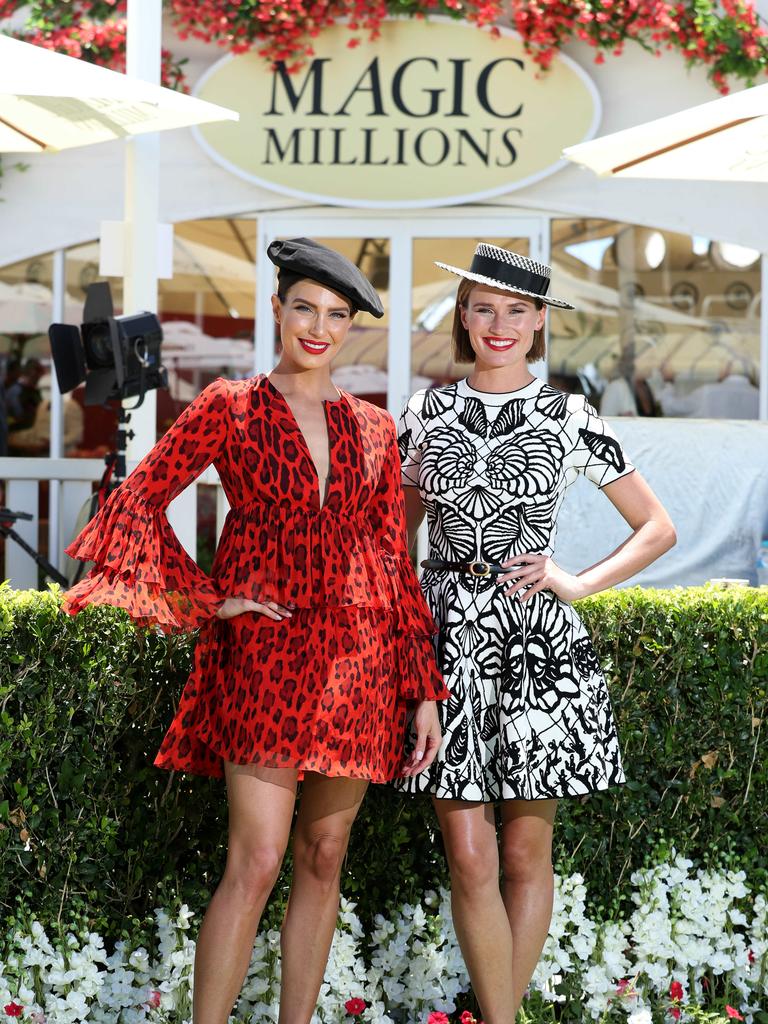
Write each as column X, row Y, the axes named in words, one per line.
column 385, row 361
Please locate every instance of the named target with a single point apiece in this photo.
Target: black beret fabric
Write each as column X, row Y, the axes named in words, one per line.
column 307, row 258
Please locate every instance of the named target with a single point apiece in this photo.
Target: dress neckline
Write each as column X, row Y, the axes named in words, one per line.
column 322, row 487
column 499, row 397
column 325, row 401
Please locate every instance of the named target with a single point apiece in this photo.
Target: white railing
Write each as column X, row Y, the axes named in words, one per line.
column 71, row 482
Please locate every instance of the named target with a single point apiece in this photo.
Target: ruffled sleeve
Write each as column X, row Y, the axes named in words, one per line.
column 419, row 676
column 139, row 563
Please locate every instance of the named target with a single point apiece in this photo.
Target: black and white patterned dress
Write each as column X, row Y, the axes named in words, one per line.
column 529, row 717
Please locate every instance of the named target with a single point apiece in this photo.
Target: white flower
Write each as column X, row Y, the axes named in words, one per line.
column 642, row 1016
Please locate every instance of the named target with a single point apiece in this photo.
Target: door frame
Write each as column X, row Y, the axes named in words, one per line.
column 401, row 232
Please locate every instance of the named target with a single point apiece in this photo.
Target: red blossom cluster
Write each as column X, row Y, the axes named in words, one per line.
column 281, row 30
column 724, row 35
column 92, row 31
column 104, row 43
column 9, row 7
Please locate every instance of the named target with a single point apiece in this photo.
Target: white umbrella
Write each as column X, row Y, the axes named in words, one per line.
column 25, row 308
column 725, row 140
column 49, row 101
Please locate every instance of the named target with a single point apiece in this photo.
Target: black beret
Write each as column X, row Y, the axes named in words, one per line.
column 307, row 258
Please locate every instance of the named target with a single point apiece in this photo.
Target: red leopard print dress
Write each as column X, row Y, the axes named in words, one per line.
column 327, row 689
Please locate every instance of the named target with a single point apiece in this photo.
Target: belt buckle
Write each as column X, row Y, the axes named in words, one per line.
column 479, row 569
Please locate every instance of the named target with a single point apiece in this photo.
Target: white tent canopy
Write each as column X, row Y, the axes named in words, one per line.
column 725, row 140
column 49, row 101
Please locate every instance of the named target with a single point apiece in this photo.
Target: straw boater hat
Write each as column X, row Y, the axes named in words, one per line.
column 501, row 268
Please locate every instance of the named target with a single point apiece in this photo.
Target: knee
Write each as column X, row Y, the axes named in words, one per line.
column 473, row 868
column 321, row 857
column 253, row 873
column 525, row 860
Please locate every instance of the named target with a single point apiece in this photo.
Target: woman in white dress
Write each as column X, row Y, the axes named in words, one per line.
column 489, row 459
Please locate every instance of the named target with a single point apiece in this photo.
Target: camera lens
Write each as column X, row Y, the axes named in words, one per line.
column 98, row 346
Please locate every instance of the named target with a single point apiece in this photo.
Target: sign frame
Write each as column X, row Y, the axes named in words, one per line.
column 405, row 204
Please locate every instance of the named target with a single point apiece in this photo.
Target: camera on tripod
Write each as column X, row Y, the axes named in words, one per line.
column 117, row 356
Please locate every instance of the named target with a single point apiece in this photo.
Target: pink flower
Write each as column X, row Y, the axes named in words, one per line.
column 733, row 1013
column 436, row 1017
column 38, row 1017
column 154, row 998
column 676, row 991
column 354, row 1006
column 13, row 1009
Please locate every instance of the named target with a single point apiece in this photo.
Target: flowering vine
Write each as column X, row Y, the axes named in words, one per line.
column 92, row 31
column 725, row 36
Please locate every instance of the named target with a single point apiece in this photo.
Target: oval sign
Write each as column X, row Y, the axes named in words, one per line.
column 432, row 113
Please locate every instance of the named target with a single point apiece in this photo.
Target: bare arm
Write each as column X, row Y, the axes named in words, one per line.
column 652, row 535
column 414, row 513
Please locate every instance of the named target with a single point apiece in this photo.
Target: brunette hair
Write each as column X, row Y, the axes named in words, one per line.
column 461, row 346
column 286, row 279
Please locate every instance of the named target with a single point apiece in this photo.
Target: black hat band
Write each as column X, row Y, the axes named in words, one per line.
column 509, row 274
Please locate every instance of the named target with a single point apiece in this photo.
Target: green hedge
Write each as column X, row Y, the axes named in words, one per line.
column 88, row 825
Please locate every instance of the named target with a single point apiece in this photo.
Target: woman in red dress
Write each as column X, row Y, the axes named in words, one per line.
column 314, row 636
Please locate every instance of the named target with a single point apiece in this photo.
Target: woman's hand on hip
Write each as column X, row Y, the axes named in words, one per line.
column 428, row 738
column 237, row 605
column 539, row 572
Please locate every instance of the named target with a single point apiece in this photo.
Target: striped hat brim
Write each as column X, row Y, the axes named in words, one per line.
column 548, row 300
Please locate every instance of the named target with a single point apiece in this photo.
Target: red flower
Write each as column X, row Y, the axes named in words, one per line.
column 13, row 1009
column 733, row 1013
column 751, row 956
column 675, row 1013
column 676, row 991
column 154, row 998
column 355, row 1006
column 467, row 1017
column 436, row 1017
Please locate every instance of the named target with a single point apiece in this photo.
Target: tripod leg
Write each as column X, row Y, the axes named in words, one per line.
column 48, row 569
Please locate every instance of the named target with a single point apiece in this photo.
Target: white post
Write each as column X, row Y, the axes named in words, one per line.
column 541, row 251
column 56, row 450
column 264, row 324
column 142, row 202
column 764, row 337
column 400, row 320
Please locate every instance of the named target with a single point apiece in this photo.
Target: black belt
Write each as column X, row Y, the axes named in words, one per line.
column 473, row 568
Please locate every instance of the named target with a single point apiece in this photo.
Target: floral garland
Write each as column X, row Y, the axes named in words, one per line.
column 94, row 32
column 725, row 36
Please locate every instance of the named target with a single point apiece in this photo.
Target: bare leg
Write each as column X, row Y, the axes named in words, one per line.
column 327, row 810
column 528, row 884
column 261, row 802
column 479, row 915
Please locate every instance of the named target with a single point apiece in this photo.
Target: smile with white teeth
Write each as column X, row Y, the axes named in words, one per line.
column 314, row 346
column 499, row 343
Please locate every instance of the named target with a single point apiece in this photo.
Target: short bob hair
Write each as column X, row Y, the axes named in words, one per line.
column 461, row 346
